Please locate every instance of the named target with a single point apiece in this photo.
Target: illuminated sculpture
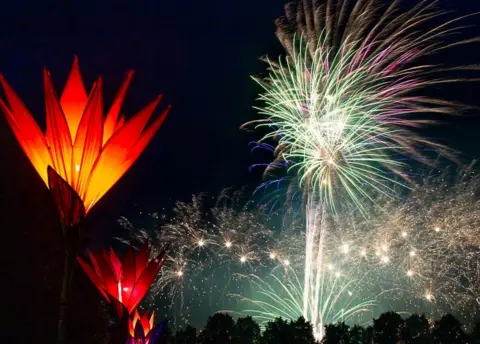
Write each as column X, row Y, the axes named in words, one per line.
column 86, row 151
column 82, row 154
column 141, row 329
column 124, row 284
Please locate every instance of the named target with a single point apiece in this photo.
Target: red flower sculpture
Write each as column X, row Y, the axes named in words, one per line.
column 87, row 153
column 124, row 284
column 142, row 330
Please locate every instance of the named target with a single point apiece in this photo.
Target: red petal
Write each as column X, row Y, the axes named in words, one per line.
column 120, row 122
column 93, row 259
column 93, row 277
column 143, row 283
column 128, row 278
column 117, row 265
column 110, row 282
column 111, row 119
column 74, row 99
column 58, row 135
column 68, row 203
column 141, row 260
column 145, row 323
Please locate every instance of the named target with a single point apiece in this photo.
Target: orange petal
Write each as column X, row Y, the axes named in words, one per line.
column 88, row 141
column 74, row 99
column 152, row 319
column 26, row 130
column 111, row 119
column 147, row 136
column 113, row 161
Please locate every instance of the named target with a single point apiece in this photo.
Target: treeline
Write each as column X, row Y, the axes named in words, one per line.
column 388, row 328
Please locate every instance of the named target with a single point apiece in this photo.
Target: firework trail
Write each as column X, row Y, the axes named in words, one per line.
column 415, row 254
column 204, row 245
column 341, row 105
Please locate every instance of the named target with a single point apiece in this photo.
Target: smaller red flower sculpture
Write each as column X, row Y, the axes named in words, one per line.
column 124, row 284
column 141, row 329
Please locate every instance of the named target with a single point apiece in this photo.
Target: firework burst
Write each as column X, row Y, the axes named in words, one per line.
column 206, row 244
column 415, row 254
column 345, row 99
column 344, row 104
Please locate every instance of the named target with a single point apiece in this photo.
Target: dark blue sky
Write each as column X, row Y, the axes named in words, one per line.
column 200, row 54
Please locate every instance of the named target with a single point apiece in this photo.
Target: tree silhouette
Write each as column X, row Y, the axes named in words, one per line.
column 475, row 336
column 449, row 330
column 337, row 334
column 281, row 331
column 416, row 330
column 220, row 329
column 247, row 331
column 358, row 335
column 387, row 328
column 186, row 336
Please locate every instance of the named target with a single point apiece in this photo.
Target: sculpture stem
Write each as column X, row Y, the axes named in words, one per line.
column 70, row 239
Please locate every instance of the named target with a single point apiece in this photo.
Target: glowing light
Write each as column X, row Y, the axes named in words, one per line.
column 409, row 273
column 363, row 253
column 344, row 95
column 130, row 286
column 338, row 274
column 412, row 253
column 200, row 243
column 385, row 259
column 79, row 139
column 272, row 255
column 286, row 262
column 330, row 267
column 149, row 333
column 345, row 248
column 228, row 244
column 437, row 229
column 243, row 259
column 429, row 297
column 179, row 273
column 404, row 234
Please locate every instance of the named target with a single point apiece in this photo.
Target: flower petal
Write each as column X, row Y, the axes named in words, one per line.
column 113, row 161
column 58, row 135
column 68, row 203
column 88, row 141
column 26, row 130
column 112, row 115
column 74, row 99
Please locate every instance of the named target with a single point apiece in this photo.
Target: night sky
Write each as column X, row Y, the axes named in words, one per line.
column 200, row 54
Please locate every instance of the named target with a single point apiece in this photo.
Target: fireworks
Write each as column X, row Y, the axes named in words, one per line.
column 341, row 103
column 340, row 106
column 204, row 246
column 412, row 255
